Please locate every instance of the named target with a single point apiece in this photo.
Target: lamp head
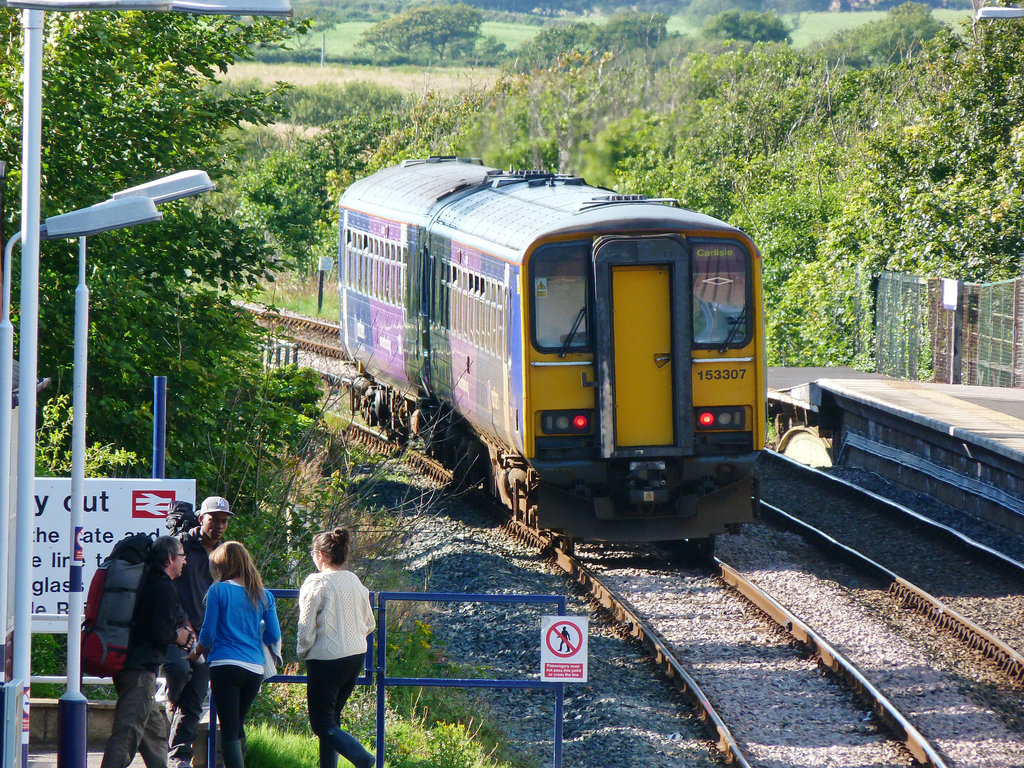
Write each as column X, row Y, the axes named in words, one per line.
column 175, row 187
column 991, row 12
column 102, row 217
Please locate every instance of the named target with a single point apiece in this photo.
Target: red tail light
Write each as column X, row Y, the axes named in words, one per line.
column 565, row 422
column 730, row 418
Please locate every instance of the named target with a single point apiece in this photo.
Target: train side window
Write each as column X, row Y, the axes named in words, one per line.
column 721, row 293
column 559, row 297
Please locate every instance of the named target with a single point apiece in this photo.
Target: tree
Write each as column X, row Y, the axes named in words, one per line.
column 633, row 31
column 901, row 35
column 748, row 25
column 128, row 99
column 441, row 30
column 555, row 41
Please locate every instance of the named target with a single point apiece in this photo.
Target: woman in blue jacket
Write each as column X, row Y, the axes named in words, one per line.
column 233, row 642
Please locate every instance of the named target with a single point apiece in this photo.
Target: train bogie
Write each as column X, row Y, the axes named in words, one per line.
column 595, row 360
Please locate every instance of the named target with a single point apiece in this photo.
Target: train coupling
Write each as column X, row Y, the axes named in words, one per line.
column 647, row 482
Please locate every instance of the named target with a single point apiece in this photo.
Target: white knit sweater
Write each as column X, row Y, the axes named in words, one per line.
column 335, row 616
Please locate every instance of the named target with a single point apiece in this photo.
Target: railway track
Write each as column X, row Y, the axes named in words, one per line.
column 964, row 587
column 803, row 681
column 660, row 634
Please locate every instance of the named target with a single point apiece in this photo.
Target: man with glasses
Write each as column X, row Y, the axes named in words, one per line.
column 139, row 724
column 188, row 679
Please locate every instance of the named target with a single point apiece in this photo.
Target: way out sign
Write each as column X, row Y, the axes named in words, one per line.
column 563, row 649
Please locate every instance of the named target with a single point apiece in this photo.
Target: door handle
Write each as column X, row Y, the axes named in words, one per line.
column 663, row 359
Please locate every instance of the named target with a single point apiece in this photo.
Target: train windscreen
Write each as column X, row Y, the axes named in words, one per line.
column 720, row 293
column 559, row 274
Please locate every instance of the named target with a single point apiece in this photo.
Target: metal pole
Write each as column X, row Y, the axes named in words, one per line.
column 32, row 22
column 320, row 294
column 381, row 676
column 73, row 707
column 159, row 425
column 6, row 478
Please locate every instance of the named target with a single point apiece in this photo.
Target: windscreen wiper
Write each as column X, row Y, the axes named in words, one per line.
column 738, row 320
column 572, row 331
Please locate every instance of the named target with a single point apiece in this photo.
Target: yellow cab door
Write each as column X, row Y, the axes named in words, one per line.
column 643, row 346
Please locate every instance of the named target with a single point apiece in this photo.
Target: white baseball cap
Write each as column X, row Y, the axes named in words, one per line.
column 215, row 504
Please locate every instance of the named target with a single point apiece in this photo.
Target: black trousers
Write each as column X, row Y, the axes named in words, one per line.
column 188, row 684
column 329, row 684
column 234, row 690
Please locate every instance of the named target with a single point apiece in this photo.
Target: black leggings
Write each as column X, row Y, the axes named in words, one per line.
column 328, row 686
column 234, row 690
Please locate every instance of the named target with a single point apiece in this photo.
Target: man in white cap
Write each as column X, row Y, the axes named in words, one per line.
column 188, row 682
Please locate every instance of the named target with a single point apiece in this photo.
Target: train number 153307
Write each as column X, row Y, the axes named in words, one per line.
column 721, row 374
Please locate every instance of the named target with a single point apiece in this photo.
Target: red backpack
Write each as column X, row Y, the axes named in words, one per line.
column 111, row 603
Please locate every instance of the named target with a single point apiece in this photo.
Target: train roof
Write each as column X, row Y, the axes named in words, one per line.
column 511, row 209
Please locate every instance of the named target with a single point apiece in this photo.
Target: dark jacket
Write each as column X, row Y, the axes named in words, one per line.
column 157, row 619
column 195, row 579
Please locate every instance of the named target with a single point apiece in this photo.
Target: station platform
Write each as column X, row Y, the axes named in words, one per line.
column 961, row 444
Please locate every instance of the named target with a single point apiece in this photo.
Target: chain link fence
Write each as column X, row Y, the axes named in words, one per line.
column 930, row 329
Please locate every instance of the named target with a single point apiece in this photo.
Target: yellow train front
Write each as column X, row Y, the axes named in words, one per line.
column 595, row 359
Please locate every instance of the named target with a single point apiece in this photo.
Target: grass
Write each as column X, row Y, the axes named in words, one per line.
column 301, row 295
column 812, row 27
column 444, row 80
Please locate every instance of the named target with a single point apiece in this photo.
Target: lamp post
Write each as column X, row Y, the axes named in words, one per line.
column 32, row 25
column 126, row 209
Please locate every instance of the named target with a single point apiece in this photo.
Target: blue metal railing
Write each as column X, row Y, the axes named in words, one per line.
column 378, row 671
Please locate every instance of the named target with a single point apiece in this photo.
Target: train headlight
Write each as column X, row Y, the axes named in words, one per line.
column 730, row 417
column 565, row 422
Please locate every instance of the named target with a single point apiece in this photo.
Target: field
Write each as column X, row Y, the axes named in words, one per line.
column 341, row 40
column 445, row 80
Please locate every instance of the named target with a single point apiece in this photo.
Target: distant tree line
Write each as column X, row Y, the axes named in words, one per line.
column 437, row 33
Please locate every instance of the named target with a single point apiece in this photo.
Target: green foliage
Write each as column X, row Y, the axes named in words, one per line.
column 704, row 9
column 323, row 103
column 442, row 31
column 451, row 746
column 53, row 447
column 624, row 34
column 899, row 36
column 127, row 99
column 751, row 26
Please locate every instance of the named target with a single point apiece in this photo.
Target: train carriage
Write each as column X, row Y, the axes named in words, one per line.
column 595, row 359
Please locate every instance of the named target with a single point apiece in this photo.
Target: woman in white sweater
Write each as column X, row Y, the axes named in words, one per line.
column 335, row 616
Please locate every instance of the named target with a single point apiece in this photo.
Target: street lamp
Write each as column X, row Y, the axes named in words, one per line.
column 73, row 707
column 125, row 209
column 32, row 24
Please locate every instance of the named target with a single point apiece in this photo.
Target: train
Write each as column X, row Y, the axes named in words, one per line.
column 594, row 360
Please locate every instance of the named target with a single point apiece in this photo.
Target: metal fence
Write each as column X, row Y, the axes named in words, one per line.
column 903, row 344
column 930, row 329
column 375, row 671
